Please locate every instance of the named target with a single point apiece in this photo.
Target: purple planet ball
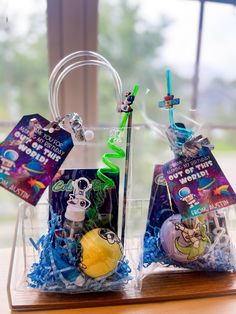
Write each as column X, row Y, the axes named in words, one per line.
column 168, row 235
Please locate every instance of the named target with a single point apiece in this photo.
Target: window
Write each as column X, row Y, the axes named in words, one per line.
column 195, row 38
column 23, row 81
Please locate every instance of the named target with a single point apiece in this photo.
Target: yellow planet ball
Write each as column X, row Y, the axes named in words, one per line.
column 101, row 251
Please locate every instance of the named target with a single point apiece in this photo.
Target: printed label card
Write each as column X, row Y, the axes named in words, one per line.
column 161, row 206
column 77, row 195
column 198, row 185
column 30, row 156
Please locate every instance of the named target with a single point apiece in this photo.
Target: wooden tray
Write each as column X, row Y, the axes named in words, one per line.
column 162, row 286
column 159, row 287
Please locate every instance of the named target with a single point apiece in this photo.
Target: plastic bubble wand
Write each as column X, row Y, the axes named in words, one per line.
column 119, row 153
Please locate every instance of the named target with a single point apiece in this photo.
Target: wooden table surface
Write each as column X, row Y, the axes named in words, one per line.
column 224, row 305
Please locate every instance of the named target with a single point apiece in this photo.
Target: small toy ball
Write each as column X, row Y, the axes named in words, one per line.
column 101, row 252
column 184, row 241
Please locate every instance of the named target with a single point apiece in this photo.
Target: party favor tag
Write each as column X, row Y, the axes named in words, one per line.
column 77, row 195
column 198, row 185
column 31, row 155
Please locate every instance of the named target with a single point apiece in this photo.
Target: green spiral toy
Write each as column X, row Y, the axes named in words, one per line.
column 118, row 152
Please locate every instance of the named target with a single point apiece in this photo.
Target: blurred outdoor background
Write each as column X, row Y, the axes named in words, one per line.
column 141, row 39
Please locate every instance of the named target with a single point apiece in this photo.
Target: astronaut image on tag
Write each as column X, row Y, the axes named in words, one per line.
column 31, row 155
column 198, row 185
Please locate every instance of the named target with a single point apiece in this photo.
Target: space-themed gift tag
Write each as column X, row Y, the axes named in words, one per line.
column 198, row 185
column 31, row 155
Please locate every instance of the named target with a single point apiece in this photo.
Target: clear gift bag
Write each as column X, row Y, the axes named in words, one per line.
column 191, row 215
column 70, row 242
column 205, row 242
column 32, row 225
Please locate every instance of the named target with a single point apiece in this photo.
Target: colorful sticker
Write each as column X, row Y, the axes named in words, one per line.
column 198, row 184
column 79, row 195
column 30, row 157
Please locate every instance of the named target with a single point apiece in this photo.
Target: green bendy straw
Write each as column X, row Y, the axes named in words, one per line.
column 118, row 153
column 126, row 176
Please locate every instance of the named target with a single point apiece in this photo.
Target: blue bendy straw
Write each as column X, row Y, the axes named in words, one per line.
column 169, row 93
column 168, row 82
column 185, row 132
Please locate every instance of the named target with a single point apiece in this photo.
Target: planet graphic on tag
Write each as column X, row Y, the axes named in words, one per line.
column 101, row 252
column 33, row 167
column 184, row 241
column 206, row 183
